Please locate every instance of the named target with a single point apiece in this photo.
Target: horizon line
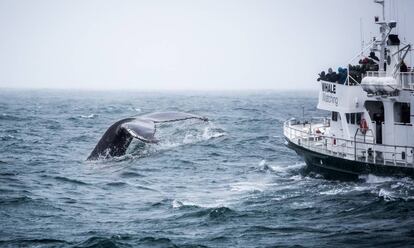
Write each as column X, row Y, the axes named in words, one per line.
column 157, row 89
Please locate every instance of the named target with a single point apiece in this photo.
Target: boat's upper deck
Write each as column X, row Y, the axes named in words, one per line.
column 403, row 80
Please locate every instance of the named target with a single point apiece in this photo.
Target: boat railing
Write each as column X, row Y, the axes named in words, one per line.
column 376, row 74
column 363, row 148
column 404, row 79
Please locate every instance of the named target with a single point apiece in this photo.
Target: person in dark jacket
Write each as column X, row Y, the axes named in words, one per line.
column 332, row 76
column 373, row 56
column 403, row 67
column 342, row 74
column 322, row 76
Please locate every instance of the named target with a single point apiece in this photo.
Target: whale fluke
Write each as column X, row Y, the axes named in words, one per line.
column 119, row 135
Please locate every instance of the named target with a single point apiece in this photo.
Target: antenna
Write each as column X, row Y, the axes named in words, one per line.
column 397, row 18
column 382, row 2
column 362, row 35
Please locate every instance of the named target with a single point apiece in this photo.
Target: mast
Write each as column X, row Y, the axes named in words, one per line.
column 382, row 3
column 385, row 30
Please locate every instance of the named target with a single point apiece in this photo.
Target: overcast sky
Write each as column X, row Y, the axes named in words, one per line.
column 194, row 44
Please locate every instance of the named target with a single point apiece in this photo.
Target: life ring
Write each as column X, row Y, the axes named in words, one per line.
column 363, row 126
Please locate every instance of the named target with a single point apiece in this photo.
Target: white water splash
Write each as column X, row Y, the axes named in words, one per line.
column 280, row 168
column 376, row 179
column 248, row 186
column 91, row 116
column 177, row 204
column 210, row 132
column 335, row 191
column 192, row 137
column 386, row 195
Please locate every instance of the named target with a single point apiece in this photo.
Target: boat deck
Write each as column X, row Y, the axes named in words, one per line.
column 314, row 135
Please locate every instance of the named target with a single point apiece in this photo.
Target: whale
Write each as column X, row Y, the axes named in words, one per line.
column 117, row 138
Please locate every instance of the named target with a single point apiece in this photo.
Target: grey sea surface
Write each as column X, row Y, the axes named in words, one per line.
column 230, row 182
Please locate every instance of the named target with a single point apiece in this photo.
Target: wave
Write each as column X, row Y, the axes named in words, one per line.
column 53, row 125
column 209, row 132
column 387, row 189
column 129, row 240
column 15, row 200
column 8, row 137
column 124, row 184
column 221, row 213
column 156, row 242
column 282, row 229
column 247, row 109
column 80, row 117
column 32, row 242
column 282, row 169
column 8, row 117
column 69, row 180
column 248, row 186
column 91, row 116
column 386, row 195
column 212, row 132
column 129, row 174
column 96, row 242
column 373, row 179
column 217, row 213
column 79, row 138
column 345, row 188
column 179, row 204
column 117, row 184
column 145, row 188
column 68, row 200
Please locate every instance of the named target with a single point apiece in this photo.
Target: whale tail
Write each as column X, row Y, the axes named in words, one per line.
column 119, row 135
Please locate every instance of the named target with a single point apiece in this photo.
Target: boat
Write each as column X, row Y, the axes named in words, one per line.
column 369, row 126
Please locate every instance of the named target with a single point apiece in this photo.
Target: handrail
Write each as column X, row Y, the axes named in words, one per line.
column 353, row 79
column 355, row 141
column 384, row 73
column 376, row 73
column 349, row 149
column 342, row 139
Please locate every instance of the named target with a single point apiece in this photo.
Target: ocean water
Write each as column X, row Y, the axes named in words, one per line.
column 230, row 182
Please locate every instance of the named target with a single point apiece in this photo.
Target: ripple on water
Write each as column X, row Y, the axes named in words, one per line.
column 10, row 117
column 130, row 174
column 99, row 242
column 216, row 214
column 69, row 180
column 33, row 243
column 17, row 200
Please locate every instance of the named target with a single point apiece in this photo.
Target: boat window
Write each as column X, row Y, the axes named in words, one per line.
column 402, row 112
column 334, row 116
column 353, row 118
column 358, row 118
column 375, row 110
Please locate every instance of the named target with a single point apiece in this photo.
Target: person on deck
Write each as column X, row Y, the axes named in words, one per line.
column 373, row 56
column 403, row 67
column 322, row 76
column 342, row 74
column 332, row 76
